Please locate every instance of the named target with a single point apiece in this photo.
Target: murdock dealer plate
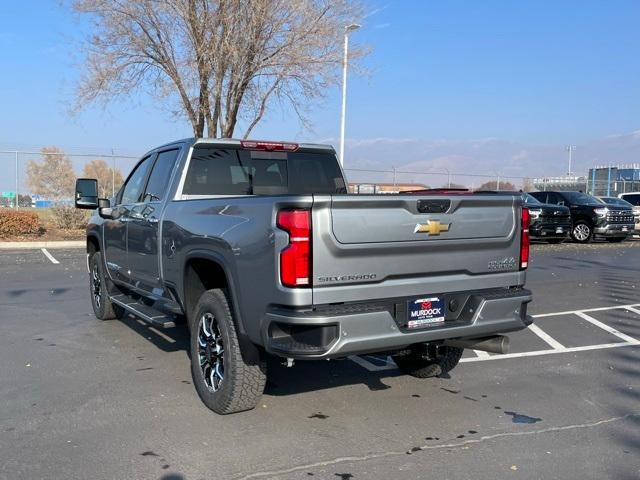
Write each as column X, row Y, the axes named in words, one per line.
column 425, row 312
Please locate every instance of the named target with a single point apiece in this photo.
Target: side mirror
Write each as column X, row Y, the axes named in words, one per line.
column 86, row 193
column 104, row 208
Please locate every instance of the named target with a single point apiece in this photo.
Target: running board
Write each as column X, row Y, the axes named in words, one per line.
column 144, row 312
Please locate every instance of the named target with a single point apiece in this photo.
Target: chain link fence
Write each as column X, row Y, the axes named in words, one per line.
column 41, row 178
column 600, row 187
column 396, row 180
column 26, row 183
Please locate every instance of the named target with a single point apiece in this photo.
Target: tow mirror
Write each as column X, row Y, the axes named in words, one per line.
column 86, row 193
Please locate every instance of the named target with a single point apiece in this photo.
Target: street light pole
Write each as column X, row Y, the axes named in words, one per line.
column 570, row 149
column 113, row 174
column 17, row 183
column 347, row 30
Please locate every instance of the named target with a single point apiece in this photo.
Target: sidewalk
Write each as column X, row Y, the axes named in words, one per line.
column 44, row 244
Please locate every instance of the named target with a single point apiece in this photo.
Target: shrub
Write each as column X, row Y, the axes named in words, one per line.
column 18, row 222
column 68, row 217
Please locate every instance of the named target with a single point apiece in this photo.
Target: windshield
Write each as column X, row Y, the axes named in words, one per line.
column 232, row 171
column 579, row 197
column 615, row 201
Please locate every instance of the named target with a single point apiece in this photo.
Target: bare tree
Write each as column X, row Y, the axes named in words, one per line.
column 527, row 185
column 101, row 171
column 453, row 185
column 53, row 177
column 220, row 61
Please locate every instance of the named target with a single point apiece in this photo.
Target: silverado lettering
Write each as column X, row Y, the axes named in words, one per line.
column 346, row 278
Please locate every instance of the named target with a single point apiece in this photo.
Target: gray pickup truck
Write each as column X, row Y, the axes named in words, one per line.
column 259, row 248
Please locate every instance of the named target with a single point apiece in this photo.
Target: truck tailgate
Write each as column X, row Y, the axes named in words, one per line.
column 372, row 247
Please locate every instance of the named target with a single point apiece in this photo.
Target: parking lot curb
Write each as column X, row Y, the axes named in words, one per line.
column 51, row 244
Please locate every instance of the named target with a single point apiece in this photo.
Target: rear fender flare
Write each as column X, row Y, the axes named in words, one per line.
column 249, row 350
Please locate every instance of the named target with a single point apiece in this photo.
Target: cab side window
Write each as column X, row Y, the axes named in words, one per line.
column 633, row 199
column 159, row 178
column 132, row 190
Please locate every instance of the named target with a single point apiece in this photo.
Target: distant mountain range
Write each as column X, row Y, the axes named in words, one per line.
column 487, row 157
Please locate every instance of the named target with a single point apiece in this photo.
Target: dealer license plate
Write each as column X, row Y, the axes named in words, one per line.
column 425, row 312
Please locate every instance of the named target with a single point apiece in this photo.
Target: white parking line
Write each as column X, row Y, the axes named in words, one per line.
column 607, row 328
column 549, row 352
column 597, row 309
column 49, row 256
column 481, row 354
column 634, row 310
column 367, row 365
column 553, row 343
column 556, row 347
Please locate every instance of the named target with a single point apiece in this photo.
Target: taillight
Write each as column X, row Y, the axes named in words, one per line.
column 524, row 239
column 269, row 146
column 295, row 259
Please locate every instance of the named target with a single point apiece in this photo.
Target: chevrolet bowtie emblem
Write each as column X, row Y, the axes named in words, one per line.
column 432, row 227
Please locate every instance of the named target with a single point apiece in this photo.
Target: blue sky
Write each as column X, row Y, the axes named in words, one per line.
column 532, row 72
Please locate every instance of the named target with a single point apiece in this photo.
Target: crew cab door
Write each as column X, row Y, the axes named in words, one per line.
column 115, row 229
column 144, row 224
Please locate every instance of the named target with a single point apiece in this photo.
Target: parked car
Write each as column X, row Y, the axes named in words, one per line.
column 634, row 199
column 590, row 217
column 551, row 223
column 261, row 249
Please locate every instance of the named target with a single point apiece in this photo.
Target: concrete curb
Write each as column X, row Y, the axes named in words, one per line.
column 50, row 244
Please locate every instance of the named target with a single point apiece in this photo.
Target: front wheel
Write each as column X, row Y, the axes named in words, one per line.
column 582, row 232
column 103, row 308
column 223, row 380
column 428, row 360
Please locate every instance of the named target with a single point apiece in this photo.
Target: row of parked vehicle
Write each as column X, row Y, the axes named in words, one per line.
column 557, row 215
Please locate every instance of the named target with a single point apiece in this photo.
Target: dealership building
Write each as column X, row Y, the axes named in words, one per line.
column 602, row 181
column 610, row 180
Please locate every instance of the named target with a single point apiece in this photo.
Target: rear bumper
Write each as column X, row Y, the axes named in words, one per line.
column 364, row 328
column 614, row 229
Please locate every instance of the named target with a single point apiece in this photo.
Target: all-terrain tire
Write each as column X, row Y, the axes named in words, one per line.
column 425, row 361
column 103, row 308
column 242, row 384
column 582, row 232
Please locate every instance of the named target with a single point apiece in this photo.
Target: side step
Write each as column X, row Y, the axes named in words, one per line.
column 145, row 312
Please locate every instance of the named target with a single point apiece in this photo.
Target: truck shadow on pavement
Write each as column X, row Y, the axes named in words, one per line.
column 305, row 376
column 310, row 376
column 171, row 339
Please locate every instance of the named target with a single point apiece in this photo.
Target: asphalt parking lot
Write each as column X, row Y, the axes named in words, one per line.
column 84, row 399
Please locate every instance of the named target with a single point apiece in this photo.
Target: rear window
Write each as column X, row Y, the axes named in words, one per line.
column 231, row 171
